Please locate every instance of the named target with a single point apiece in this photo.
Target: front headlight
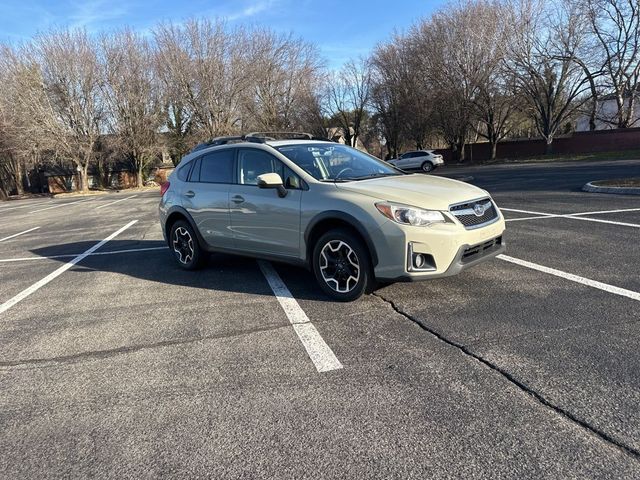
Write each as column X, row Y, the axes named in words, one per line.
column 410, row 215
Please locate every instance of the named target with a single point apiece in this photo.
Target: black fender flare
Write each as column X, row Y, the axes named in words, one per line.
column 183, row 212
column 347, row 218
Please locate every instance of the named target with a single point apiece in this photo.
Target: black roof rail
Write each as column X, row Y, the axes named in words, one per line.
column 286, row 136
column 214, row 142
column 257, row 137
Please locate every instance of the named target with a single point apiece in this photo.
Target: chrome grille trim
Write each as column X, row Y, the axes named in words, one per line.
column 465, row 214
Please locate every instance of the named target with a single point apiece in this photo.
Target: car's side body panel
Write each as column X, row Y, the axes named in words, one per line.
column 263, row 222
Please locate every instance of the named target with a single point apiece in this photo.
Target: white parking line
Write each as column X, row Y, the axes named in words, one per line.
column 574, row 278
column 531, row 218
column 71, row 255
column 524, row 211
column 321, row 355
column 18, row 234
column 59, row 205
column 608, row 211
column 113, row 203
column 599, row 220
column 573, row 216
column 41, row 283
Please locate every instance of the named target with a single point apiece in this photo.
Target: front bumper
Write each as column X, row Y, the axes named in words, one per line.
column 451, row 247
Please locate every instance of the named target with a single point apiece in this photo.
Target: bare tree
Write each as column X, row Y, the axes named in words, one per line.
column 460, row 52
column 61, row 94
column 285, row 71
column 19, row 137
column 348, row 96
column 388, row 91
column 550, row 80
column 132, row 95
column 208, row 63
column 616, row 26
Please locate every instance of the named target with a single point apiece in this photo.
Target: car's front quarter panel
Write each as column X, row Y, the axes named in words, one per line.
column 322, row 199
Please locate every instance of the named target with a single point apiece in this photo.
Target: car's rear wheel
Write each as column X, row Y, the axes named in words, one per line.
column 341, row 265
column 427, row 167
column 184, row 245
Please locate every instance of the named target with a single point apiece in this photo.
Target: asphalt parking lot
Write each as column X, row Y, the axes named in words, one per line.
column 115, row 363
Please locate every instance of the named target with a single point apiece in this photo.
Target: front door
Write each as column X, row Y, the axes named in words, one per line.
column 261, row 220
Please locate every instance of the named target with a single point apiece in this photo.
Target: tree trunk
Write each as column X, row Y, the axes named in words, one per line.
column 84, row 178
column 139, row 182
column 18, row 178
column 494, row 149
column 461, row 152
column 548, row 149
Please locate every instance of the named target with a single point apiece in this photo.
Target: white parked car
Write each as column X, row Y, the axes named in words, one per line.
column 425, row 160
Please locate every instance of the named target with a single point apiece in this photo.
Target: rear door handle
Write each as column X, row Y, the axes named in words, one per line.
column 190, row 194
column 237, row 199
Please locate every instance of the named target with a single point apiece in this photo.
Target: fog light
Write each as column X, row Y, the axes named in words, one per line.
column 419, row 262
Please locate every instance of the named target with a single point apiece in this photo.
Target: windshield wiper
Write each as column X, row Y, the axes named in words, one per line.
column 335, row 180
column 376, row 175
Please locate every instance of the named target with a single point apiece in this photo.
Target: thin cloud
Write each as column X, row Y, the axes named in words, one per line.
column 251, row 10
column 94, row 13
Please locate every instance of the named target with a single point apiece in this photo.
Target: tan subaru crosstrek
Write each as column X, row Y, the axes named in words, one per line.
column 350, row 218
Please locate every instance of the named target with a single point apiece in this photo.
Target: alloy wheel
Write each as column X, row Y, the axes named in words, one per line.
column 183, row 245
column 339, row 266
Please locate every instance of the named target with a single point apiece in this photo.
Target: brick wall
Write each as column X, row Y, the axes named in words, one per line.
column 577, row 143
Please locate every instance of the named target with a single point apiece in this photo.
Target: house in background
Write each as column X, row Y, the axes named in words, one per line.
column 335, row 134
column 606, row 112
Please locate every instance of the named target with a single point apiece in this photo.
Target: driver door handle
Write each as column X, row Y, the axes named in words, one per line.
column 237, row 199
column 190, row 194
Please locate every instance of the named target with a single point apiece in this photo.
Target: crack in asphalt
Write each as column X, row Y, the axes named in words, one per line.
column 112, row 352
column 601, row 435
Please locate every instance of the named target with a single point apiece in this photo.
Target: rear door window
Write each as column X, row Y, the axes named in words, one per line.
column 215, row 167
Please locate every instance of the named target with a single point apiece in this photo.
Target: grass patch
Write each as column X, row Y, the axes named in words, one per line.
column 620, row 182
column 583, row 157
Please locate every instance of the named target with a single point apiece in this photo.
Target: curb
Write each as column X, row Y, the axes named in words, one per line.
column 590, row 187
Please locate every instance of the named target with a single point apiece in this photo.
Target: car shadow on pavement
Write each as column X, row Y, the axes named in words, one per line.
column 152, row 260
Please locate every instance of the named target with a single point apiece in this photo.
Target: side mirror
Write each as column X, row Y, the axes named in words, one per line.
column 272, row 180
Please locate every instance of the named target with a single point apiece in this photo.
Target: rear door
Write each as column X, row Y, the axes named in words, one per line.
column 206, row 196
column 261, row 220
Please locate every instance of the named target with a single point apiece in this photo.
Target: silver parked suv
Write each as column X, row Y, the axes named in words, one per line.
column 349, row 217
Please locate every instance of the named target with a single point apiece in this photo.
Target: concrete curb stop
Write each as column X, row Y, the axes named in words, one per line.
column 590, row 187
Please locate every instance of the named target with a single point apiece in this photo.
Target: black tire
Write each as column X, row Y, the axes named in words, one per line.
column 185, row 247
column 427, row 167
column 342, row 266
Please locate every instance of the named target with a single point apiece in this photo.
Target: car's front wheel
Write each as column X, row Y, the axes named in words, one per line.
column 427, row 167
column 185, row 247
column 341, row 265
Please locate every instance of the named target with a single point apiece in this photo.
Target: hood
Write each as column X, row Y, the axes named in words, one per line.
column 418, row 190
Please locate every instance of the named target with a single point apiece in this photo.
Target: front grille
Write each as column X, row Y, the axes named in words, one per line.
column 466, row 213
column 480, row 250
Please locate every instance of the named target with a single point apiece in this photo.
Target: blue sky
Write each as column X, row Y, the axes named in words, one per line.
column 342, row 29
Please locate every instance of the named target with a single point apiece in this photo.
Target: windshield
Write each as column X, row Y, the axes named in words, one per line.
column 335, row 162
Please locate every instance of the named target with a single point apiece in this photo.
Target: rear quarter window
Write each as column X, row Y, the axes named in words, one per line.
column 183, row 171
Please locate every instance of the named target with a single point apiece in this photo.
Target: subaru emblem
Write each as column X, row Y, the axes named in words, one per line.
column 478, row 209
